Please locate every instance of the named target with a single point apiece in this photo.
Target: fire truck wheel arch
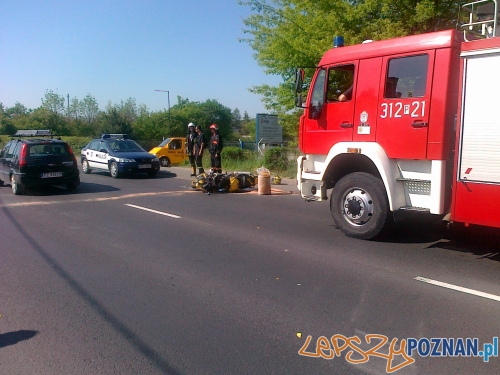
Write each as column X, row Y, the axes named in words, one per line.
column 386, row 167
column 359, row 205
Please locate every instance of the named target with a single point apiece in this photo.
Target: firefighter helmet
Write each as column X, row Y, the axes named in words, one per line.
column 190, row 125
column 214, row 126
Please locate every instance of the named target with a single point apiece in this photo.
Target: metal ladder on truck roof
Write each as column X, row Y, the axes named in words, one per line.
column 483, row 19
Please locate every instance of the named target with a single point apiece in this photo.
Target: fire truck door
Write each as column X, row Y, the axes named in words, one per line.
column 404, row 105
column 330, row 115
column 477, row 185
column 365, row 115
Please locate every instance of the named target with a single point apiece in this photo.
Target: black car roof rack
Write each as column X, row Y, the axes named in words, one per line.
column 118, row 136
column 34, row 133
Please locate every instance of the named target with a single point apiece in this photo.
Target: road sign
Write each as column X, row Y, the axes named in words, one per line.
column 267, row 129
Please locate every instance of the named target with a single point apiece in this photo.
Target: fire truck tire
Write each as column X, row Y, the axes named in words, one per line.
column 359, row 205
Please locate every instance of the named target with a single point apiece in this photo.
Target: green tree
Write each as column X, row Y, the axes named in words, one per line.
column 18, row 110
column 88, row 109
column 248, row 126
column 236, row 121
column 51, row 113
column 6, row 125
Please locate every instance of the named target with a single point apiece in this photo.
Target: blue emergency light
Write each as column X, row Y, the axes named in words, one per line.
column 338, row 41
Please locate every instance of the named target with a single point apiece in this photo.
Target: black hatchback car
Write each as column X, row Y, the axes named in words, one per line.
column 32, row 162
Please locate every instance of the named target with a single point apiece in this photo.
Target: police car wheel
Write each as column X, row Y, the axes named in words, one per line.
column 359, row 205
column 85, row 166
column 113, row 169
column 164, row 161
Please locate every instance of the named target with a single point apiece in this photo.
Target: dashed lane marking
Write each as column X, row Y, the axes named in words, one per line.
column 459, row 288
column 153, row 211
column 166, row 214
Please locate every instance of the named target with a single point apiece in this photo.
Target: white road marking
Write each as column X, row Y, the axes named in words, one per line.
column 153, row 211
column 459, row 288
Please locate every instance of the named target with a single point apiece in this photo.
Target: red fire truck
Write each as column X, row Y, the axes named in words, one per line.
column 411, row 123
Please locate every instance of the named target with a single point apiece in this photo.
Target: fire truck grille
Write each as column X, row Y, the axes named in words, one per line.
column 418, row 187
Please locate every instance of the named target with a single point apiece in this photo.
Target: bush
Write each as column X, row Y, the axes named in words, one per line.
column 4, row 139
column 276, row 159
column 233, row 153
column 76, row 143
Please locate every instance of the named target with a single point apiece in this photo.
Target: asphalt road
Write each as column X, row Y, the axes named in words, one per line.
column 147, row 276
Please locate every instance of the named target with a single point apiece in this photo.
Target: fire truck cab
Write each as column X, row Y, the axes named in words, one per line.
column 382, row 121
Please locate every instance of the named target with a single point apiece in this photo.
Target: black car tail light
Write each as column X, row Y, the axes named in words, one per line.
column 22, row 155
column 71, row 153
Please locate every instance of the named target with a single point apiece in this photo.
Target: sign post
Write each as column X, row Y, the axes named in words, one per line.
column 267, row 129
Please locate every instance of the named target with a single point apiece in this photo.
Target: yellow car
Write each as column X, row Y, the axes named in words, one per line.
column 170, row 151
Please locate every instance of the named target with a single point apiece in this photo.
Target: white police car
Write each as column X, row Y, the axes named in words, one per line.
column 119, row 155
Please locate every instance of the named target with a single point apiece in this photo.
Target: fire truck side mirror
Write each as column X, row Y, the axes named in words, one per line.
column 299, row 87
column 299, row 80
column 299, row 102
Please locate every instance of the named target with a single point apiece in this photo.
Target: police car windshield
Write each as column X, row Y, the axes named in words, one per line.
column 164, row 142
column 124, row 145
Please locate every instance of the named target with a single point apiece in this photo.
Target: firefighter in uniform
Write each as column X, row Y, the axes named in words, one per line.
column 199, row 147
column 190, row 142
column 215, row 148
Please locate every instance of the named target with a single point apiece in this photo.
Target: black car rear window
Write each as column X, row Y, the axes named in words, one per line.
column 42, row 150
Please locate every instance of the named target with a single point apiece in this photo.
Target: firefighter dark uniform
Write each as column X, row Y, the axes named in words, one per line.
column 190, row 142
column 215, row 148
column 199, row 147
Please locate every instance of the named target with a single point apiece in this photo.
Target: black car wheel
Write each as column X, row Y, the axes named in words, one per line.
column 86, row 167
column 164, row 161
column 17, row 189
column 152, row 172
column 113, row 169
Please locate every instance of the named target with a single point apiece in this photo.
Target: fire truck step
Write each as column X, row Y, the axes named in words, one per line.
column 412, row 180
column 411, row 208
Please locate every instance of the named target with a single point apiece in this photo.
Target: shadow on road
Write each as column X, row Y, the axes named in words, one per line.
column 84, row 188
column 481, row 241
column 12, row 338
column 137, row 176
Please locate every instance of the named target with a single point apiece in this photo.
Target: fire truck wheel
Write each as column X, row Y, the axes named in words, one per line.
column 359, row 205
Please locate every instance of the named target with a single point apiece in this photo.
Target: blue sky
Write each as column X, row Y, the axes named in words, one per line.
column 116, row 49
